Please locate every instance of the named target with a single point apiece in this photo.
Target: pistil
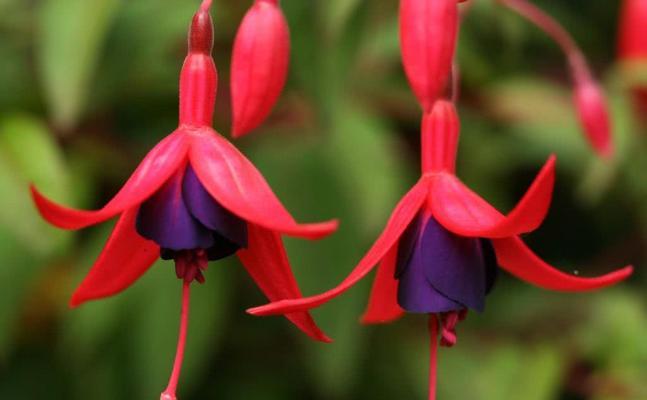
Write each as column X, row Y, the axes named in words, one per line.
column 171, row 389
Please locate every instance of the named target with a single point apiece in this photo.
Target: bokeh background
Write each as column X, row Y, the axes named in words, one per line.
column 87, row 87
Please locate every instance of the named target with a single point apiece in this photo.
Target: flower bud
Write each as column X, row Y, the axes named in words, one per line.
column 632, row 48
column 594, row 116
column 428, row 31
column 259, row 66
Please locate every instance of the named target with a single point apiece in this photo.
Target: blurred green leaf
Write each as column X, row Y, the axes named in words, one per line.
column 28, row 154
column 72, row 33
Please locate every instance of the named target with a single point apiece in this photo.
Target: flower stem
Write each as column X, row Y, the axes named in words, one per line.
column 433, row 354
column 171, row 389
column 580, row 69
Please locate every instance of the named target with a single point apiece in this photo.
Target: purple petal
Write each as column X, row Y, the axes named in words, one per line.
column 165, row 219
column 211, row 214
column 415, row 294
column 454, row 265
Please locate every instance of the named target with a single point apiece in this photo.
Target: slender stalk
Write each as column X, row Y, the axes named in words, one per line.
column 171, row 389
column 552, row 28
column 433, row 355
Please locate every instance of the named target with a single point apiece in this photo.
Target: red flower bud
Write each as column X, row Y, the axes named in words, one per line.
column 632, row 46
column 428, row 31
column 632, row 37
column 259, row 66
column 594, row 116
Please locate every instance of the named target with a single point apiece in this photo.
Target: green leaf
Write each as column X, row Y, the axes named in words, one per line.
column 72, row 33
column 28, row 154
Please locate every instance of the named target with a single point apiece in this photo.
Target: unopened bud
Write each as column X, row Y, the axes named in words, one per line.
column 594, row 116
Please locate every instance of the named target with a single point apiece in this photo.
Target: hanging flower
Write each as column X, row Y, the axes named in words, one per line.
column 588, row 97
column 632, row 47
column 441, row 249
column 194, row 198
column 259, row 66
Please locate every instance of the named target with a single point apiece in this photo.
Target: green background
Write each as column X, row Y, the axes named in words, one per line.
column 87, row 87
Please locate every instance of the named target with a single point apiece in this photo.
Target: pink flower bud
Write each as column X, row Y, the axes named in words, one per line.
column 594, row 116
column 259, row 66
column 428, row 31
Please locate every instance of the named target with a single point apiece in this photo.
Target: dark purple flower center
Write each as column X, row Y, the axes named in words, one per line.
column 189, row 225
column 440, row 272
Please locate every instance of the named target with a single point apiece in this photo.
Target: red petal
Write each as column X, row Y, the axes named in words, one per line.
column 428, row 31
column 404, row 213
column 158, row 165
column 124, row 259
column 383, row 304
column 268, row 265
column 259, row 65
column 465, row 213
column 236, row 184
column 514, row 256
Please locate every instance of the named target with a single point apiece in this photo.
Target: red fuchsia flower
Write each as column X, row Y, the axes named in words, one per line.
column 441, row 249
column 259, row 65
column 428, row 30
column 194, row 198
column 588, row 97
column 632, row 44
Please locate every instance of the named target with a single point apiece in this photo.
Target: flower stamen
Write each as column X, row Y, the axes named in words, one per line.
column 171, row 389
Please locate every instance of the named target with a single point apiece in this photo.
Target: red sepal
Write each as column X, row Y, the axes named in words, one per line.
column 402, row 216
column 158, row 165
column 125, row 258
column 383, row 304
column 236, row 184
column 465, row 213
column 515, row 257
column 259, row 65
column 268, row 265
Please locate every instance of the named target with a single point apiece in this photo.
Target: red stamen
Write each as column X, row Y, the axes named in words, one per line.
column 433, row 355
column 171, row 389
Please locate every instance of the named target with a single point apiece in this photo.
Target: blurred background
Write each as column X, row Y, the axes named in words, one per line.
column 88, row 87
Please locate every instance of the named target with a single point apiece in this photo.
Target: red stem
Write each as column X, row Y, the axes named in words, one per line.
column 552, row 28
column 433, row 354
column 171, row 389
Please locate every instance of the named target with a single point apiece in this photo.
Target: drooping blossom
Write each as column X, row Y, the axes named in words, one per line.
column 259, row 65
column 193, row 199
column 443, row 245
column 588, row 97
column 632, row 47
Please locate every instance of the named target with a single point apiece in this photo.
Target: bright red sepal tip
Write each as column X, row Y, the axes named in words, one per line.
column 461, row 211
column 259, row 65
column 428, row 32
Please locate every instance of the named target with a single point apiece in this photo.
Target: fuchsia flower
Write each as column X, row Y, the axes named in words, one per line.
column 588, row 97
column 632, row 44
column 440, row 251
column 443, row 245
column 194, row 198
column 259, row 66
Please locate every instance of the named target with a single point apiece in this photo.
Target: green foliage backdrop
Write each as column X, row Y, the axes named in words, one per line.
column 86, row 87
